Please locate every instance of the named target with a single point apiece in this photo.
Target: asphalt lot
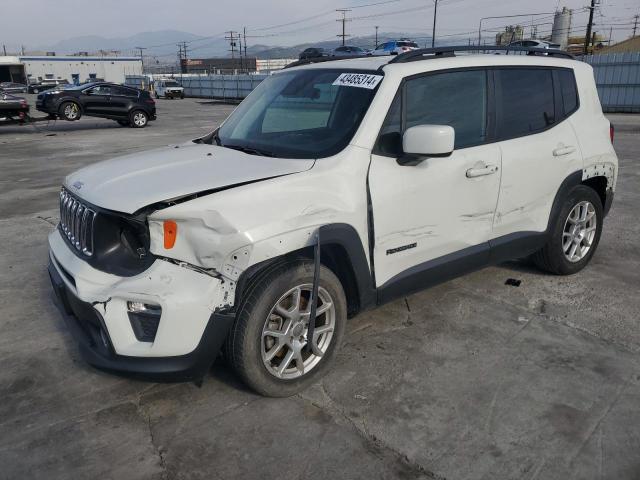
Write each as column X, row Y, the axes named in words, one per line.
column 472, row 379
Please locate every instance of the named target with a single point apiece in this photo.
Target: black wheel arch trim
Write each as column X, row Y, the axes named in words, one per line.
column 571, row 181
column 335, row 234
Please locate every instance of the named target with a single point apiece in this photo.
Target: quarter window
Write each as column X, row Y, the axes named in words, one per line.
column 568, row 91
column 525, row 101
column 457, row 99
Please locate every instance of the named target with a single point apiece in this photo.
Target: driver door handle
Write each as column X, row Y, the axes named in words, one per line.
column 481, row 171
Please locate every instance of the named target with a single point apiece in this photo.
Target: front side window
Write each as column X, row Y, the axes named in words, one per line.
column 298, row 114
column 457, row 99
column 525, row 101
column 100, row 90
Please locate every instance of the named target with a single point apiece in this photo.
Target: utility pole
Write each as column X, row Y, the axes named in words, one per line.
column 244, row 34
column 182, row 56
column 376, row 36
column 232, row 43
column 4, row 49
column 141, row 58
column 435, row 13
column 587, row 37
column 635, row 24
column 344, row 20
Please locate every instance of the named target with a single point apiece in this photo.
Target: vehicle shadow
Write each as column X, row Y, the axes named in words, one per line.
column 58, row 126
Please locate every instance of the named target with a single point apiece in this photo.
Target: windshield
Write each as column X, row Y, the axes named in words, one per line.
column 300, row 114
column 408, row 44
column 171, row 83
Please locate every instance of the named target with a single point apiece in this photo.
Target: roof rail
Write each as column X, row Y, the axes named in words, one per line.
column 438, row 52
column 307, row 61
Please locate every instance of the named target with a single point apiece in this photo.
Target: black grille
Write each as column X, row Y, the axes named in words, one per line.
column 76, row 222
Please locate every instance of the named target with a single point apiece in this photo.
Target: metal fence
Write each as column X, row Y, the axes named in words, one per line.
column 618, row 81
column 221, row 86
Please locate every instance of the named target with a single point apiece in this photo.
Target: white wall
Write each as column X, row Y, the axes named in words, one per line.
column 111, row 69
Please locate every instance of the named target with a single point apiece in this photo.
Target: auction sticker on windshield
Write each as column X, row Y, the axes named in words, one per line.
column 361, row 80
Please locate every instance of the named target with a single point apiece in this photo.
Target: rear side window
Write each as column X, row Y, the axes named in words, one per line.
column 568, row 91
column 458, row 99
column 525, row 101
column 124, row 92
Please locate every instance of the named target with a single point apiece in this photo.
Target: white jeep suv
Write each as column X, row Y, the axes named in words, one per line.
column 334, row 187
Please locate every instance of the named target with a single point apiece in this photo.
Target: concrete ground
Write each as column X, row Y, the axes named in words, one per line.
column 472, row 379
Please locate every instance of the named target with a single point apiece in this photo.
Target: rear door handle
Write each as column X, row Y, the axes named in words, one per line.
column 560, row 151
column 479, row 172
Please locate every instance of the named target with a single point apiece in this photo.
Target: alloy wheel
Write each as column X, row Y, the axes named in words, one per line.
column 579, row 231
column 140, row 119
column 284, row 334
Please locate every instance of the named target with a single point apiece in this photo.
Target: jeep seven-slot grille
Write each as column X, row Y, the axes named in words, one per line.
column 76, row 222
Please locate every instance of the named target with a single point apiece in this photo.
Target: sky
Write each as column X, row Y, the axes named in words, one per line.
column 289, row 22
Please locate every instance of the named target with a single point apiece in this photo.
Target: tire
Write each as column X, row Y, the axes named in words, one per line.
column 181, row 97
column 138, row 119
column 247, row 346
column 556, row 256
column 123, row 123
column 70, row 111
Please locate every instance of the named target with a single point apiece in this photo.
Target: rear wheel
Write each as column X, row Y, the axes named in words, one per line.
column 138, row 119
column 575, row 234
column 267, row 345
column 70, row 111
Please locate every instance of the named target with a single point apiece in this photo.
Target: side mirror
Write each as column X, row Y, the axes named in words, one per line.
column 424, row 141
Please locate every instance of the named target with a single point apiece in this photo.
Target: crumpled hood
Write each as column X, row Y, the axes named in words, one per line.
column 128, row 183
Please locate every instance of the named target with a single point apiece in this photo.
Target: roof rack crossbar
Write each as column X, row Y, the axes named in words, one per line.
column 427, row 53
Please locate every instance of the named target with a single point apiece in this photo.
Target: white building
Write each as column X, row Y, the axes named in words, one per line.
column 79, row 69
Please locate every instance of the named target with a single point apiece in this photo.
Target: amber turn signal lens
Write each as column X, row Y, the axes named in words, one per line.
column 170, row 233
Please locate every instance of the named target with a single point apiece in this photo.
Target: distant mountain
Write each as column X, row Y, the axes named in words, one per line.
column 126, row 45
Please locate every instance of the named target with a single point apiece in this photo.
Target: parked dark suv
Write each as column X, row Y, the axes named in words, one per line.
column 128, row 106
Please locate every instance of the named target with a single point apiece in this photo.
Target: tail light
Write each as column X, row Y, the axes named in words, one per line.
column 612, row 132
column 151, row 101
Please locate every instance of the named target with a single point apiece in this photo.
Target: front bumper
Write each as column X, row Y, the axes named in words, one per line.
column 191, row 329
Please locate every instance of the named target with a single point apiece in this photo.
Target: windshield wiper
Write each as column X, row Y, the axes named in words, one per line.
column 251, row 150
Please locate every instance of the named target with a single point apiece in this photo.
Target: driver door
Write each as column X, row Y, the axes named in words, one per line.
column 434, row 219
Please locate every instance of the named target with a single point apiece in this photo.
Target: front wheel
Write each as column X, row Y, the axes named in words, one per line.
column 574, row 235
column 268, row 344
column 70, row 111
column 138, row 119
